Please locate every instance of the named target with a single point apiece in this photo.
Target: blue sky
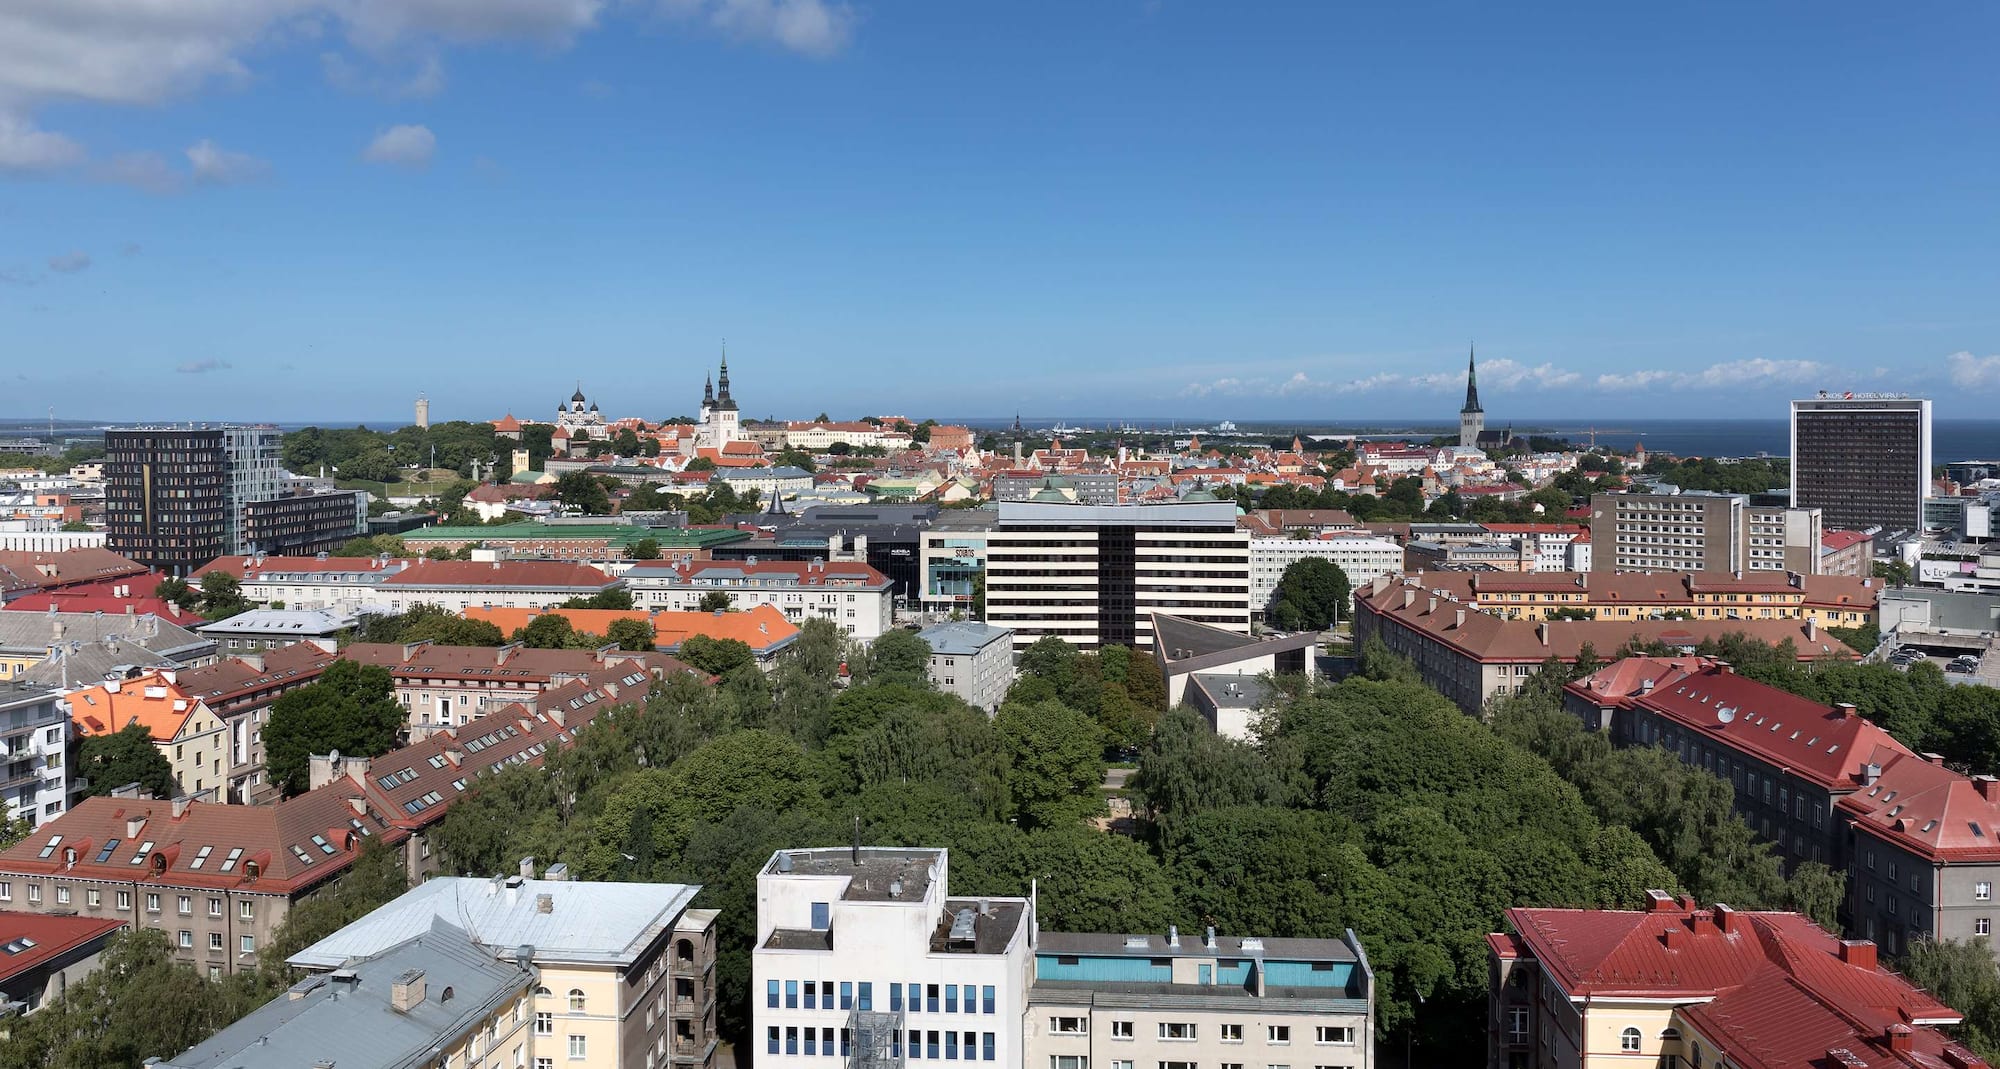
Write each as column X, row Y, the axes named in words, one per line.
column 316, row 209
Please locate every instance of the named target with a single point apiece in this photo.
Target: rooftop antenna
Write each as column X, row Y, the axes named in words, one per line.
column 857, row 840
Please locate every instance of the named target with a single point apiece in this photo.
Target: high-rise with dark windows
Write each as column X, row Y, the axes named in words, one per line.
column 1862, row 460
column 176, row 498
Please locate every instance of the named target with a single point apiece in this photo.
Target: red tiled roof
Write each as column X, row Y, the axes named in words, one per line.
column 503, row 573
column 223, row 683
column 69, row 567
column 252, row 569
column 507, row 423
column 112, row 597
column 1839, row 540
column 51, row 936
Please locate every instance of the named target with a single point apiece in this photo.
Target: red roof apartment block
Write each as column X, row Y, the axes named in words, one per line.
column 1757, row 990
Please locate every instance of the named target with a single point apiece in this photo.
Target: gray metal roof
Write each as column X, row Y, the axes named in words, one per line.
column 353, row 1025
column 963, row 638
column 751, row 475
column 301, row 623
column 1228, row 690
column 605, row 923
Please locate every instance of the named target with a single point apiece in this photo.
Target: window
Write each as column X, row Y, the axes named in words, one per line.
column 1186, row 1030
column 1982, row 891
column 1068, row 1061
column 94, row 897
column 931, row 998
column 771, row 996
column 1278, row 1033
column 1182, row 1065
column 985, row 999
column 152, row 903
column 62, row 896
column 577, row 1048
column 821, row 916
column 791, row 994
column 215, row 941
column 545, row 1063
column 1628, row 1039
column 1069, row 1026
column 1231, row 1033
column 1333, row 1034
column 184, row 905
column 951, row 998
column 1982, row 926
column 187, row 939
column 249, row 944
column 6, row 891
column 215, row 907
column 545, row 1024
column 245, row 910
column 771, row 1040
column 791, row 1041
column 864, row 996
column 986, row 1049
column 846, row 995
column 124, row 900
column 1121, row 1030
column 575, row 1001
column 812, row 996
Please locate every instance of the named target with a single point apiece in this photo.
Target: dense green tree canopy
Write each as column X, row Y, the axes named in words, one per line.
column 125, row 756
column 351, row 708
column 1311, row 595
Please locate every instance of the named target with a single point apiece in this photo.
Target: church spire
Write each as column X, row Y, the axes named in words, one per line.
column 722, row 399
column 1471, row 384
column 707, row 391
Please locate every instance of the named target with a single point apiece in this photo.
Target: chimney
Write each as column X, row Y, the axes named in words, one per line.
column 1660, row 902
column 1209, row 942
column 1812, row 629
column 1870, row 772
column 1724, row 918
column 1542, row 632
column 545, row 903
column 1173, row 935
column 557, row 873
column 1461, row 619
column 1409, row 598
column 254, row 660
column 180, row 806
column 527, row 868
column 1674, row 937
column 1859, row 953
column 1988, row 787
column 1898, row 1037
column 133, row 826
column 407, row 991
column 1845, row 711
column 1430, row 606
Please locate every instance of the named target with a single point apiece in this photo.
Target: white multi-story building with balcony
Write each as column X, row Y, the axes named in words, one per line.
column 856, row 597
column 34, row 744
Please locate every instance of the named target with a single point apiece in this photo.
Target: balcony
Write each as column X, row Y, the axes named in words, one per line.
column 19, row 775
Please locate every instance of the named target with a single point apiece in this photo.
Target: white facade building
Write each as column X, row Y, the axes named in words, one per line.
column 34, row 742
column 1093, row 575
column 1363, row 559
column 862, row 955
column 853, row 595
column 256, row 473
column 45, row 536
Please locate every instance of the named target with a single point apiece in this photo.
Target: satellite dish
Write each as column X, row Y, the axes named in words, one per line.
column 1726, row 714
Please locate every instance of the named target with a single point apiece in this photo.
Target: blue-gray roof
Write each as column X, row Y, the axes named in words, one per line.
column 350, row 1022
column 963, row 638
column 600, row 923
column 730, row 475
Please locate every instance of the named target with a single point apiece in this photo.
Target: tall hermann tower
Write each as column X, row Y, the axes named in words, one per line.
column 1471, row 418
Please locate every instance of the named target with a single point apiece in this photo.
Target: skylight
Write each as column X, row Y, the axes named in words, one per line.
column 105, row 854
column 144, row 849
column 200, row 857
column 54, row 841
column 229, row 863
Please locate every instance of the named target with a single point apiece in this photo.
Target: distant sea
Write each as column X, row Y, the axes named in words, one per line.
column 1951, row 439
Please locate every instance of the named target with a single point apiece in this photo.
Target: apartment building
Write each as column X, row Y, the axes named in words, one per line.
column 857, row 598
column 452, row 686
column 305, row 583
column 240, row 692
column 861, row 954
column 1822, row 783
column 1674, row 985
column 183, row 728
column 1127, row 1001
column 45, row 954
column 435, row 998
column 1472, row 655
column 63, row 649
column 626, row 971
column 1864, row 461
column 275, row 629
column 1363, row 559
column 1829, row 601
column 35, row 779
column 1699, row 531
column 1093, row 575
column 972, row 660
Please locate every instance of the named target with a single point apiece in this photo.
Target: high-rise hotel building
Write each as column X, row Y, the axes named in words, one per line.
column 1863, row 460
column 1092, row 575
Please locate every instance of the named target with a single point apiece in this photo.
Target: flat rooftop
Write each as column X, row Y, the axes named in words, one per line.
column 1103, row 944
column 870, row 871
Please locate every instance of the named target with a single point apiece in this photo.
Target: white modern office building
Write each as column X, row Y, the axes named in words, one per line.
column 1093, row 575
column 1363, row 559
column 862, row 955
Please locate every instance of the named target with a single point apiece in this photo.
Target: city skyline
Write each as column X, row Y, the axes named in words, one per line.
column 300, row 210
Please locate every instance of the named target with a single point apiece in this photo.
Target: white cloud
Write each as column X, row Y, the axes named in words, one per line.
column 69, row 263
column 424, row 77
column 402, row 146
column 1971, row 372
column 25, row 148
column 809, row 27
column 213, row 164
column 201, row 367
column 1734, row 374
column 147, row 171
column 1508, row 375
